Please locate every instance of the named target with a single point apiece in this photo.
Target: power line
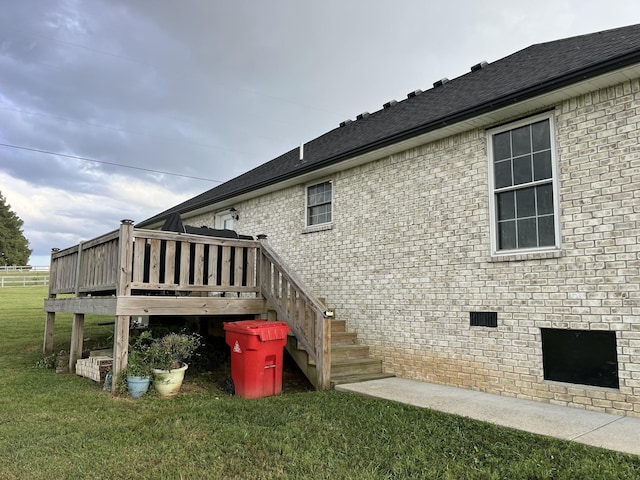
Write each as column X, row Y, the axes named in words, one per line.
column 116, row 129
column 76, row 157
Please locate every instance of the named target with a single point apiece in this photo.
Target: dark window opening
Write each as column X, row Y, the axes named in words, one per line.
column 580, row 356
column 483, row 319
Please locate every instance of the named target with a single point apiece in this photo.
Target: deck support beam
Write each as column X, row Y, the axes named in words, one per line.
column 120, row 347
column 49, row 327
column 77, row 337
column 323, row 351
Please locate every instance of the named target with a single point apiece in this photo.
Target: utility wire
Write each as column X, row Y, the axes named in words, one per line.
column 115, row 129
column 107, row 163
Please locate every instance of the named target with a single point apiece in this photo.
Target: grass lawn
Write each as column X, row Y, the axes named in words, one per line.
column 56, row 426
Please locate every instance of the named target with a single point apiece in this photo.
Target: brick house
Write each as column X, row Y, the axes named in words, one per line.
column 483, row 233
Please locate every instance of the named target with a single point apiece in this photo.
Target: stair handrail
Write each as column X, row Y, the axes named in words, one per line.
column 319, row 347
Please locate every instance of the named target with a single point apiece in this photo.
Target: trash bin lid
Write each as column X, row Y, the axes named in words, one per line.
column 265, row 330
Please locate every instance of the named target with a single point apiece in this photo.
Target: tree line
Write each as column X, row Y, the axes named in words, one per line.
column 14, row 246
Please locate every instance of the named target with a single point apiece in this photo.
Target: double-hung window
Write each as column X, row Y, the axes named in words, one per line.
column 524, row 205
column 319, row 203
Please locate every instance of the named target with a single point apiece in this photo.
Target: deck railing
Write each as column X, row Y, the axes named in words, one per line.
column 155, row 261
column 307, row 317
column 85, row 268
column 132, row 261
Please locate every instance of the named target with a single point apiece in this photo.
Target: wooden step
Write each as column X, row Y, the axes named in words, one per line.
column 356, row 378
column 356, row 366
column 343, row 338
column 338, row 325
column 345, row 352
column 292, row 342
column 337, row 338
column 342, row 353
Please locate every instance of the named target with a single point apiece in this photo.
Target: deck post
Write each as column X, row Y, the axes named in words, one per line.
column 120, row 346
column 77, row 336
column 323, row 351
column 125, row 258
column 123, row 288
column 49, row 326
column 50, row 322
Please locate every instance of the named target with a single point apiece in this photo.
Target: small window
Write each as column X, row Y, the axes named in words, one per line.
column 524, row 207
column 319, row 203
column 224, row 220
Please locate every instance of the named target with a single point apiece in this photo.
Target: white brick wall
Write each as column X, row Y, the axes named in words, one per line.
column 408, row 257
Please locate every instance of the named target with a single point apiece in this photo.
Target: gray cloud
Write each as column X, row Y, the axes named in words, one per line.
column 212, row 89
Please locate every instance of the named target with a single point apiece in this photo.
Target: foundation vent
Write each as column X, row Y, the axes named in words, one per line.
column 484, row 319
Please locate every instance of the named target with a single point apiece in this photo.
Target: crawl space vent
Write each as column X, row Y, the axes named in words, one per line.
column 484, row 319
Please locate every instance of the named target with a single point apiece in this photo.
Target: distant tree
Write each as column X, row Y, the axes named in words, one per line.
column 14, row 247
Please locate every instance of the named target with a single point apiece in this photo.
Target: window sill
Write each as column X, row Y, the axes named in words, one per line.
column 317, row 228
column 521, row 257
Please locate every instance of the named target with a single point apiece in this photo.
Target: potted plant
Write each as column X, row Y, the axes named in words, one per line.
column 168, row 356
column 138, row 370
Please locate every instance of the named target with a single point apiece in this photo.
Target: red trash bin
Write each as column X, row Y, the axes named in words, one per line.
column 257, row 348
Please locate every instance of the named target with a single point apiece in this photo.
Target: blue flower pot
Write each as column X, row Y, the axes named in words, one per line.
column 138, row 386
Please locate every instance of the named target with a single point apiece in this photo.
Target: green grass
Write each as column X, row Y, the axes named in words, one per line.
column 67, row 427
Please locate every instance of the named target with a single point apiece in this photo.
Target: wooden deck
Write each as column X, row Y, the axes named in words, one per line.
column 133, row 272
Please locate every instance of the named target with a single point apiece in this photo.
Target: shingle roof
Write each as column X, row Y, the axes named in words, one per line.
column 530, row 72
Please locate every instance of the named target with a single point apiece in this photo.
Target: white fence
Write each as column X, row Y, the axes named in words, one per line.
column 23, row 268
column 23, row 280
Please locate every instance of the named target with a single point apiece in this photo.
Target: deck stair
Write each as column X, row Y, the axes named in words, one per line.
column 351, row 361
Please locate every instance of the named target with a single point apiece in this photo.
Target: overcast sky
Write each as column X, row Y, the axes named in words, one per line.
column 213, row 88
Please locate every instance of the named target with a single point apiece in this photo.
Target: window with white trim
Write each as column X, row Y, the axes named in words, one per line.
column 319, row 203
column 224, row 220
column 524, row 204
